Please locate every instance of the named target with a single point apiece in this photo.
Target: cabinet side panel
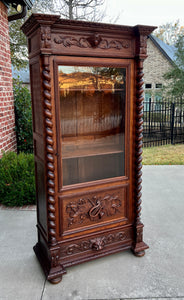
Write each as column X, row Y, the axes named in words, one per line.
column 39, row 152
column 41, row 195
column 36, row 98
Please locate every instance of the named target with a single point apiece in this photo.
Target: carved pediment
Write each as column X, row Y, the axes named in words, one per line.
column 96, row 41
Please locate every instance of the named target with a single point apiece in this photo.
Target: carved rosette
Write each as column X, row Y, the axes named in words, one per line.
column 48, row 119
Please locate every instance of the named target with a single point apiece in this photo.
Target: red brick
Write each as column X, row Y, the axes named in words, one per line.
column 7, row 119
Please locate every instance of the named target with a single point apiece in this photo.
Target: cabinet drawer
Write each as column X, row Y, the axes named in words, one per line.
column 96, row 245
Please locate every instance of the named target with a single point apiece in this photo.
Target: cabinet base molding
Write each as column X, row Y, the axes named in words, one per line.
column 56, row 259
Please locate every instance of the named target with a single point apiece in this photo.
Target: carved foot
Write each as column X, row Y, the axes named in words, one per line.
column 139, row 249
column 55, row 280
column 139, row 254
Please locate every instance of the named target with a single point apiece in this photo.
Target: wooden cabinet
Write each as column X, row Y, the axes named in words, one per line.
column 86, row 84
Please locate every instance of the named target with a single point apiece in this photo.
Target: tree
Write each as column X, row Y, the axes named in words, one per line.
column 82, row 10
column 23, row 117
column 169, row 32
column 18, row 43
column 71, row 9
column 44, row 6
column 175, row 76
column 90, row 10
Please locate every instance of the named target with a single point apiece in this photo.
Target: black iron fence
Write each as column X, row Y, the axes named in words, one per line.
column 163, row 122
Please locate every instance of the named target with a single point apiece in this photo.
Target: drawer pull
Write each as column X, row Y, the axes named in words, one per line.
column 97, row 244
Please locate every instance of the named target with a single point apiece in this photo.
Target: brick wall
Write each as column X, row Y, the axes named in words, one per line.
column 155, row 66
column 7, row 118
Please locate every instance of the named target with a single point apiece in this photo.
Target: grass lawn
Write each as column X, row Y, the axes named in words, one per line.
column 164, row 155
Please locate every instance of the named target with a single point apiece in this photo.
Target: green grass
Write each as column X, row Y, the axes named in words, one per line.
column 164, row 155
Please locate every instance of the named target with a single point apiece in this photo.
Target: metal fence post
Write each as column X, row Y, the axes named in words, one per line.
column 172, row 122
column 149, row 116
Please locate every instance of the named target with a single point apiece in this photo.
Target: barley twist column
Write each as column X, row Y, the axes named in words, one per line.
column 48, row 119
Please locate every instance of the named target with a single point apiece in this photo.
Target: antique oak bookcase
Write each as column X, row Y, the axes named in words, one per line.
column 87, row 94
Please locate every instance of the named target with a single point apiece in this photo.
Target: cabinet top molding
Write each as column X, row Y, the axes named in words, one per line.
column 54, row 21
column 50, row 35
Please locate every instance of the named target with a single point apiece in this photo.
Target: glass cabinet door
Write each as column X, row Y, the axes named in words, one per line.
column 92, row 120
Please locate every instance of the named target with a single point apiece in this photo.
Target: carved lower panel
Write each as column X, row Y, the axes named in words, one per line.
column 93, row 208
column 97, row 243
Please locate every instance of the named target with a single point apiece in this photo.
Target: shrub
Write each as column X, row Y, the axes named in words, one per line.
column 17, row 180
column 23, row 117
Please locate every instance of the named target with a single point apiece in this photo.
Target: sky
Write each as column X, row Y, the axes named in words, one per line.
column 146, row 12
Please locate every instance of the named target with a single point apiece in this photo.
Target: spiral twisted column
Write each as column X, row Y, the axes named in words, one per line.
column 49, row 141
column 139, row 246
column 138, row 140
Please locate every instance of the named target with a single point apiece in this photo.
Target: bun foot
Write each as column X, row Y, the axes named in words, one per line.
column 139, row 254
column 55, row 280
column 139, row 249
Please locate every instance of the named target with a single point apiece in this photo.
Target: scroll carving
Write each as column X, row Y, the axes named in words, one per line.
column 95, row 41
column 93, row 208
column 95, row 244
column 48, row 119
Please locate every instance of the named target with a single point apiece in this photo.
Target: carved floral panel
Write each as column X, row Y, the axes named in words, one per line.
column 93, row 208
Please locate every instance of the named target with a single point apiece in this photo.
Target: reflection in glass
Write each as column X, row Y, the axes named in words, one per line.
column 92, row 108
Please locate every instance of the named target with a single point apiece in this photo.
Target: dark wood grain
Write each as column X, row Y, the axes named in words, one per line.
column 87, row 131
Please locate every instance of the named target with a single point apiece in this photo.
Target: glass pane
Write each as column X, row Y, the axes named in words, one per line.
column 92, row 108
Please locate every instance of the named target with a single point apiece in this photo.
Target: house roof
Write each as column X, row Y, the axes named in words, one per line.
column 167, row 50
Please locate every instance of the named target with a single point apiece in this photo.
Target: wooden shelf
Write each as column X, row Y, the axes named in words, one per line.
column 74, row 153
column 81, row 146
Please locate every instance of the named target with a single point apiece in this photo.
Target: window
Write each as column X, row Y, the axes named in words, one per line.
column 158, row 85
column 148, row 86
column 158, row 99
column 147, row 101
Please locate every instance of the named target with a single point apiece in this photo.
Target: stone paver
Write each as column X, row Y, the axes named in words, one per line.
column 157, row 275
